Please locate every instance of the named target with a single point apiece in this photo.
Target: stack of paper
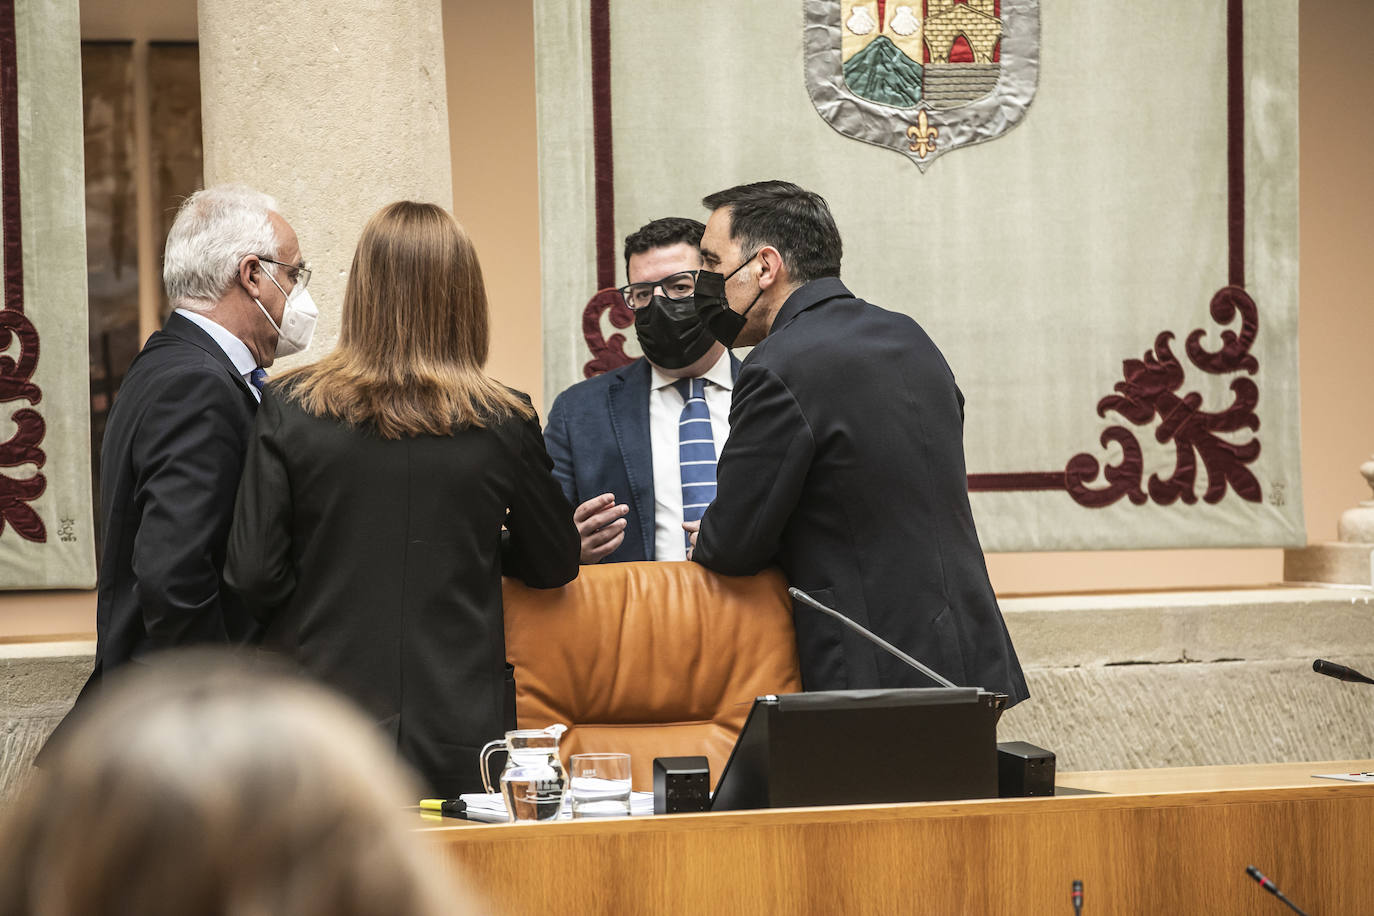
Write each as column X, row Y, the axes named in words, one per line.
column 1349, row 777
column 491, row 808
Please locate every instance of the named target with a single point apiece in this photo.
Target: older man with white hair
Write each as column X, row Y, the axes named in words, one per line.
column 175, row 439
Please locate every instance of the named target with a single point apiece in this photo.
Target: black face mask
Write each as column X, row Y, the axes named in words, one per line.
column 713, row 308
column 670, row 333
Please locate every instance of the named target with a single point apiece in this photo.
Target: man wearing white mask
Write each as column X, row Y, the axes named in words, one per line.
column 176, row 435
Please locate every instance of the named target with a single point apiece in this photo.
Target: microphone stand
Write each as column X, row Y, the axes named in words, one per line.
column 872, row 637
column 1272, row 888
column 1340, row 672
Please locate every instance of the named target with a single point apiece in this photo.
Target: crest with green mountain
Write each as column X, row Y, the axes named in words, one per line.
column 882, row 73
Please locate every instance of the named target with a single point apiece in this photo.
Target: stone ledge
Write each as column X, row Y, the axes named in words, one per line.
column 48, row 648
column 1285, row 622
column 1333, row 561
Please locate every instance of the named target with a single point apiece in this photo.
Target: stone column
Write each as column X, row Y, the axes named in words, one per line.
column 335, row 108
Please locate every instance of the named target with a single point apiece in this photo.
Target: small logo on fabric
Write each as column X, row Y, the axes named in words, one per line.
column 66, row 530
column 922, row 78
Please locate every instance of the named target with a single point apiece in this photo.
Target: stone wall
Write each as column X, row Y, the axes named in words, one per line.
column 1117, row 681
column 38, row 683
column 1190, row 679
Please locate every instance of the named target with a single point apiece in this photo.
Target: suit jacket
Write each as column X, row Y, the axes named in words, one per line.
column 376, row 564
column 845, row 465
column 169, row 468
column 598, row 437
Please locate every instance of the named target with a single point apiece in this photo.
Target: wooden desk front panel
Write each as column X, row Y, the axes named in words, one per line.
column 1171, row 853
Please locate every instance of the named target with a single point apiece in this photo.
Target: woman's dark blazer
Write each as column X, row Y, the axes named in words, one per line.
column 376, row 564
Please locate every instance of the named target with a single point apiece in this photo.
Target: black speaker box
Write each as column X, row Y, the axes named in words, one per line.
column 1024, row 770
column 681, row 784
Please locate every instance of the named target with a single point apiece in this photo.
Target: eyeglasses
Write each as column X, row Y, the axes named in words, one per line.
column 675, row 286
column 298, row 274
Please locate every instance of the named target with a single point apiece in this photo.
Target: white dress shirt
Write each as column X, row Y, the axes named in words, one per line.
column 665, row 410
column 235, row 349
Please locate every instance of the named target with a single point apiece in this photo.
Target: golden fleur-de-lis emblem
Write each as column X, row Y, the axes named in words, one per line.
column 922, row 136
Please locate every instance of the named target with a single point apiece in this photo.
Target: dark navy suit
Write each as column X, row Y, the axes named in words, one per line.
column 845, row 467
column 598, row 438
column 169, row 469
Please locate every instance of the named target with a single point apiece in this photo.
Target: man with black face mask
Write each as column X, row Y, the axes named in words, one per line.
column 845, row 464
column 635, row 449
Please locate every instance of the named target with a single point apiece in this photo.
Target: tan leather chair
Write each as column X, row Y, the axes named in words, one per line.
column 650, row 659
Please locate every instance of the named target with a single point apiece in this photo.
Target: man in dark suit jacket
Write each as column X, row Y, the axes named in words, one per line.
column 614, row 439
column 845, row 463
column 176, row 435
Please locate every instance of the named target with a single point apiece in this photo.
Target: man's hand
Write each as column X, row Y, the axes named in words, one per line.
column 691, row 528
column 601, row 525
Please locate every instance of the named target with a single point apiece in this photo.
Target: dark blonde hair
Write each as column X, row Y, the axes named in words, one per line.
column 414, row 333
column 198, row 785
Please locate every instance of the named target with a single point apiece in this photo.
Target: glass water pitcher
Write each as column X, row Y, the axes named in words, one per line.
column 533, row 781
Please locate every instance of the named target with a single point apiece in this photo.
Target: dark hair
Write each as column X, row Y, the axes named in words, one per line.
column 795, row 221
column 661, row 233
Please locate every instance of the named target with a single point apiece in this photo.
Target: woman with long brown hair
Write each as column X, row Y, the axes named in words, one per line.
column 368, row 534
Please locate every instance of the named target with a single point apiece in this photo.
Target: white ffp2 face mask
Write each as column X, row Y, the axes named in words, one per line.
column 298, row 319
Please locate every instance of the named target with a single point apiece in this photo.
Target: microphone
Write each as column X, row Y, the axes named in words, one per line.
column 1272, row 888
column 1077, row 897
column 872, row 637
column 1339, row 672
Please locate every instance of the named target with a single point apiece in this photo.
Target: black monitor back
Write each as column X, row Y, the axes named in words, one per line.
column 846, row 747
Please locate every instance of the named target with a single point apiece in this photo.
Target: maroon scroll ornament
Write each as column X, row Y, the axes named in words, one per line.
column 606, row 354
column 16, row 375
column 1149, row 386
column 1150, row 389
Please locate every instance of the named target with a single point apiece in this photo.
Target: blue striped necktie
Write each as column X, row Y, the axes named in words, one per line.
column 696, row 452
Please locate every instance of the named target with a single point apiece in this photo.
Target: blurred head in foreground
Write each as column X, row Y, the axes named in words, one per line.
column 201, row 785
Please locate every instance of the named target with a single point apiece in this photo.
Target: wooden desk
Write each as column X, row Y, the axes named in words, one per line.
column 1163, row 841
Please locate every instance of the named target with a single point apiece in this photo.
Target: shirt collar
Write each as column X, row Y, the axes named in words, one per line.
column 718, row 374
column 235, row 349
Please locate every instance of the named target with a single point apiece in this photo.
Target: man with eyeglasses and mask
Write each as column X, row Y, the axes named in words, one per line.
column 845, row 464
column 176, row 434
column 635, row 448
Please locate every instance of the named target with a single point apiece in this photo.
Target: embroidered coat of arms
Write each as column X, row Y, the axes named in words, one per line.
column 924, row 77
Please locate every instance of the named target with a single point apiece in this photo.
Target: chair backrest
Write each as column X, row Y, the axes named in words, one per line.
column 650, row 659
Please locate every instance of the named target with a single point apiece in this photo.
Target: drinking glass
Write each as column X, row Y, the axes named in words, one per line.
column 600, row 785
